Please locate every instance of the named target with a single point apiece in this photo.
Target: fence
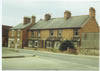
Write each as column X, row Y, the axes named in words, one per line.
column 90, row 43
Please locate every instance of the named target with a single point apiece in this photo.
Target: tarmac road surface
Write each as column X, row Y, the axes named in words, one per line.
column 22, row 59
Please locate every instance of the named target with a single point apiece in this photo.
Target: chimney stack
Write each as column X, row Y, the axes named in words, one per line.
column 33, row 19
column 67, row 14
column 47, row 17
column 27, row 20
column 92, row 12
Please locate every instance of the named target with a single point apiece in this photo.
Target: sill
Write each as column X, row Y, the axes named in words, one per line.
column 59, row 36
column 36, row 37
column 76, row 36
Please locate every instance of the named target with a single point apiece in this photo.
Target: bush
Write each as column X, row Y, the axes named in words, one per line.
column 53, row 50
column 65, row 45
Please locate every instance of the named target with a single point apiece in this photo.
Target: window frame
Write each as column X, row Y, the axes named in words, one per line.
column 49, row 44
column 18, row 32
column 13, row 32
column 59, row 32
column 37, row 43
column 38, row 33
column 32, row 34
column 51, row 32
column 76, row 32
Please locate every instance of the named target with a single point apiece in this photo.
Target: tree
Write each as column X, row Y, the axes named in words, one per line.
column 65, row 45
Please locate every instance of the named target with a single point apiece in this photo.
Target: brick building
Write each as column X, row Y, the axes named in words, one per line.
column 50, row 32
column 18, row 35
column 5, row 30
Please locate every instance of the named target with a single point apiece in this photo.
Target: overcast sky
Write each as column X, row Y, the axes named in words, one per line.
column 14, row 10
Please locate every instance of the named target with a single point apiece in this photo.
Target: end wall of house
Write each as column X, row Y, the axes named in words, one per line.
column 91, row 26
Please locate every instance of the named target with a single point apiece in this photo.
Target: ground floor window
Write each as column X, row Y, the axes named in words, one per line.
column 37, row 43
column 12, row 44
column 57, row 44
column 49, row 44
column 18, row 43
column 31, row 44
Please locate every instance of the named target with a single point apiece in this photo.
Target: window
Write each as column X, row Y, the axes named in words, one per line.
column 57, row 44
column 32, row 33
column 30, row 42
column 37, row 43
column 12, row 32
column 49, row 44
column 76, row 32
column 51, row 33
column 59, row 33
column 18, row 42
column 12, row 44
column 38, row 33
column 18, row 32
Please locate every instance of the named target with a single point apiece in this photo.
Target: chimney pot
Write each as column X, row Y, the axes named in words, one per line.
column 67, row 14
column 33, row 19
column 47, row 17
column 92, row 12
column 27, row 20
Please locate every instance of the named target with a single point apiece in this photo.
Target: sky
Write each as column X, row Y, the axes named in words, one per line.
column 13, row 11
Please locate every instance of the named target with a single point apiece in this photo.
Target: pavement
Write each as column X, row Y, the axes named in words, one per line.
column 23, row 59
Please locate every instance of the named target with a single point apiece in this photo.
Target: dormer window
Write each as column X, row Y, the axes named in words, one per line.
column 13, row 32
column 76, row 32
column 51, row 33
column 59, row 33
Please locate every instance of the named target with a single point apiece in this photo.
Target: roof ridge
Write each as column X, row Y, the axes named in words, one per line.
column 63, row 17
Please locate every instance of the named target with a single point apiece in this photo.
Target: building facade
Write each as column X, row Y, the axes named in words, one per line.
column 19, row 33
column 50, row 32
column 5, row 30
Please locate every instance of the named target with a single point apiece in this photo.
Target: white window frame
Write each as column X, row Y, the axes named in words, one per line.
column 39, row 33
column 37, row 42
column 30, row 44
column 51, row 33
column 76, row 33
column 32, row 33
column 57, row 44
column 49, row 44
column 59, row 33
column 13, row 32
column 18, row 32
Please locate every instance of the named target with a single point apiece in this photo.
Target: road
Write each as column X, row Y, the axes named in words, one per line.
column 40, row 60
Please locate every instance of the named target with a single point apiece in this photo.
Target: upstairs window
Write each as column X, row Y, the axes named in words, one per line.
column 38, row 33
column 13, row 32
column 76, row 32
column 51, row 33
column 32, row 33
column 59, row 33
column 18, row 33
